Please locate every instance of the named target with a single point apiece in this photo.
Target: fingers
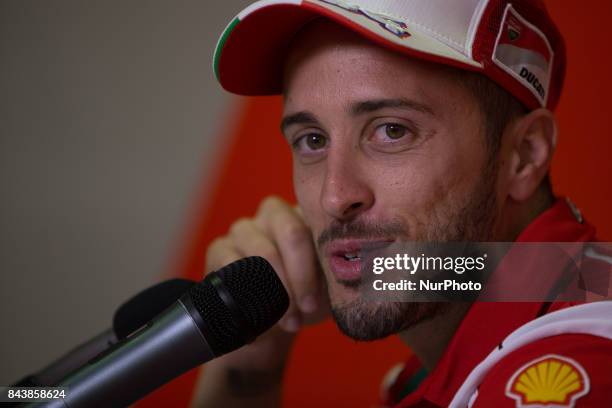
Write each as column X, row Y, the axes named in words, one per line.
column 294, row 242
column 279, row 234
column 220, row 253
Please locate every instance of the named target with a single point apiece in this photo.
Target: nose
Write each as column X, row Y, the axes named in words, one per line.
column 345, row 192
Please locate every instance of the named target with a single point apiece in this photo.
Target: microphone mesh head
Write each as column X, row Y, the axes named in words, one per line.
column 256, row 290
column 222, row 333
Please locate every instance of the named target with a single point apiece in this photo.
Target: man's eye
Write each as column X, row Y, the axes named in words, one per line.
column 393, row 131
column 393, row 137
column 312, row 141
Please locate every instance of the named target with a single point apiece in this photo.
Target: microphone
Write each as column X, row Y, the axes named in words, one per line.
column 228, row 309
column 129, row 317
column 148, row 303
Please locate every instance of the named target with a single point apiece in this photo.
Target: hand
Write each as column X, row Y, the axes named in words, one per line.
column 278, row 233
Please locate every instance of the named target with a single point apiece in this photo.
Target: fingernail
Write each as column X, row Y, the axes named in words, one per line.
column 292, row 324
column 308, row 304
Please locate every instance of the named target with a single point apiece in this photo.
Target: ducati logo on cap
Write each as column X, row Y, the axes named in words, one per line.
column 549, row 381
column 524, row 52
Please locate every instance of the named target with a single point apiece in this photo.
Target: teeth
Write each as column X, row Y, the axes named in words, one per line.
column 352, row 256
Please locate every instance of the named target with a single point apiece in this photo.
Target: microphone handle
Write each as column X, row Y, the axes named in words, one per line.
column 169, row 346
column 130, row 316
column 70, row 361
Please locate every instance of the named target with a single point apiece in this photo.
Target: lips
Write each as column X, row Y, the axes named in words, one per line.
column 345, row 257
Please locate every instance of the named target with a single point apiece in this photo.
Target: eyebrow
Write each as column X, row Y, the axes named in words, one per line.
column 299, row 118
column 358, row 108
column 369, row 106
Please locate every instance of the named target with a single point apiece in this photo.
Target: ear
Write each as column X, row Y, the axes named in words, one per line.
column 533, row 138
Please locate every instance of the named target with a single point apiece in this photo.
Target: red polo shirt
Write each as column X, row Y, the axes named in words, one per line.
column 487, row 324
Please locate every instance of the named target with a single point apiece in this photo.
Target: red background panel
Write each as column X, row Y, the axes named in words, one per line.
column 582, row 168
column 327, row 369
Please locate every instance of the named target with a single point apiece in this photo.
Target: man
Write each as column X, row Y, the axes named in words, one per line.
column 409, row 121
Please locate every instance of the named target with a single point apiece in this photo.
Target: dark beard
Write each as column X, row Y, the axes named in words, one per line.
column 367, row 321
column 474, row 221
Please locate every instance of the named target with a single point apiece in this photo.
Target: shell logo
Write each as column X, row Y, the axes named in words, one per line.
column 549, row 381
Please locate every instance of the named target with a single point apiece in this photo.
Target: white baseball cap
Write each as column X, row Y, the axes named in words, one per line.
column 513, row 42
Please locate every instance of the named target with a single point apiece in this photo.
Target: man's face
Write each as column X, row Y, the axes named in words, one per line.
column 385, row 149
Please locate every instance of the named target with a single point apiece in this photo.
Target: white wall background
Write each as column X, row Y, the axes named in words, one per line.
column 108, row 114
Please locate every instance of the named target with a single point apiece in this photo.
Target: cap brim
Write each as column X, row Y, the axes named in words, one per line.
column 250, row 54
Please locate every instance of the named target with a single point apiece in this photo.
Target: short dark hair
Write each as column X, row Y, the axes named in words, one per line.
column 499, row 108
